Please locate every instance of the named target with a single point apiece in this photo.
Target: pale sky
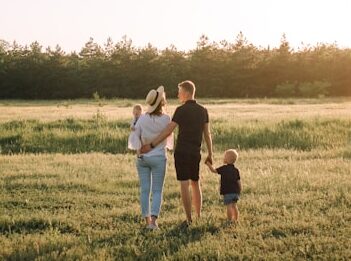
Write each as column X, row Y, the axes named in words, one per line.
column 70, row 23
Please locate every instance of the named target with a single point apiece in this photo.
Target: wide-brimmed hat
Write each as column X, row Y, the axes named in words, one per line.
column 154, row 97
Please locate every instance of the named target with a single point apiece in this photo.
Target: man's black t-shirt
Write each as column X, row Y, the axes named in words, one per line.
column 229, row 179
column 191, row 118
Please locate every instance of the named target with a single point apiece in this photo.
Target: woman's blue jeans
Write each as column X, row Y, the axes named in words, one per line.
column 151, row 171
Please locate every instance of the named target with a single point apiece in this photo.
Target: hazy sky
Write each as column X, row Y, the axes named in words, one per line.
column 70, row 23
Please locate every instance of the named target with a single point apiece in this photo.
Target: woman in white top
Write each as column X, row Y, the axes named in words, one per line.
column 151, row 166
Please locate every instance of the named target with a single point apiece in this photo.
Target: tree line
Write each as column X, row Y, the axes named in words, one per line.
column 225, row 69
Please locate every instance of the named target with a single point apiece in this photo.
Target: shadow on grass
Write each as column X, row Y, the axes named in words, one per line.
column 45, row 187
column 38, row 205
column 29, row 177
column 50, row 250
column 35, row 225
column 151, row 244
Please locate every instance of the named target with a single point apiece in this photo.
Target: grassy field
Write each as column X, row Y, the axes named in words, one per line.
column 69, row 189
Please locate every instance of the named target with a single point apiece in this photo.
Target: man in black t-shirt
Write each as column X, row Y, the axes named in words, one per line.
column 193, row 123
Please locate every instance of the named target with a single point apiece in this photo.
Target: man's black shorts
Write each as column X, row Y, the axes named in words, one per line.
column 187, row 165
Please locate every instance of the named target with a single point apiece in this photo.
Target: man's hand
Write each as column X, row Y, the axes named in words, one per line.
column 208, row 162
column 145, row 149
column 209, row 159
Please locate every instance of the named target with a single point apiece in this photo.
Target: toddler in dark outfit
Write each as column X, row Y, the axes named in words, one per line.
column 230, row 183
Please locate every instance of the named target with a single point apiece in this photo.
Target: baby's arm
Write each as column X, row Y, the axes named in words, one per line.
column 212, row 169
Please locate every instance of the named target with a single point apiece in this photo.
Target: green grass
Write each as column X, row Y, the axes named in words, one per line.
column 69, row 190
column 99, row 135
column 294, row 205
column 293, row 134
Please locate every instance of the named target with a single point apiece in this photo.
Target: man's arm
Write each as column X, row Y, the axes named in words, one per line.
column 212, row 169
column 164, row 134
column 208, row 140
column 240, row 187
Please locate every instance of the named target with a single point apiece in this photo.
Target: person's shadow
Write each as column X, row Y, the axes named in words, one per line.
column 154, row 244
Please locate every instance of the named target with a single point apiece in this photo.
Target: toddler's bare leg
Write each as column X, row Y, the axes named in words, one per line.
column 230, row 214
column 235, row 212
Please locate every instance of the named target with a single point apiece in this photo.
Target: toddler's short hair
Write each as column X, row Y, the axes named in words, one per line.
column 232, row 155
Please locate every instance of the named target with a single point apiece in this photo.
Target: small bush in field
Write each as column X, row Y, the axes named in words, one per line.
column 314, row 89
column 96, row 96
column 286, row 89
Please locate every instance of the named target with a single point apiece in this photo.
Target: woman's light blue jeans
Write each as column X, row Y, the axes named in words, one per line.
column 151, row 171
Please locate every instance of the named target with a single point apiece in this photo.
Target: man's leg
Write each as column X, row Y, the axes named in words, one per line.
column 196, row 196
column 185, row 193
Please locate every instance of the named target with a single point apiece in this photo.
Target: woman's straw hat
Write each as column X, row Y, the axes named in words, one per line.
column 153, row 98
